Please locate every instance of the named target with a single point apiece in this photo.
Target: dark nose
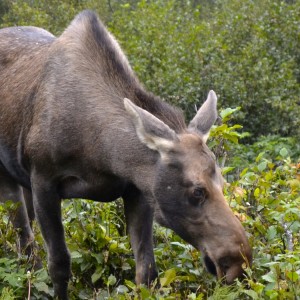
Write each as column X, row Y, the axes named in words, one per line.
column 210, row 266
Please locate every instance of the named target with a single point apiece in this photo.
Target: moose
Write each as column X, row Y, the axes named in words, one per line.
column 75, row 122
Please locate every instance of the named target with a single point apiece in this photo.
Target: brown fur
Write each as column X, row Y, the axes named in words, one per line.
column 66, row 132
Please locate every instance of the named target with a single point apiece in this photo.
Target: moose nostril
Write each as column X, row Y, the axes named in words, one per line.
column 210, row 266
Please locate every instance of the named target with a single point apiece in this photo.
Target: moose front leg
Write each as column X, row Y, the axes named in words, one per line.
column 139, row 219
column 47, row 205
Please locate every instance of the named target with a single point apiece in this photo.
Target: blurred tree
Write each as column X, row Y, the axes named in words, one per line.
column 3, row 9
column 248, row 51
column 53, row 15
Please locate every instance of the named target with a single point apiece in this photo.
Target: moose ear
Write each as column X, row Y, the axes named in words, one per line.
column 205, row 117
column 152, row 132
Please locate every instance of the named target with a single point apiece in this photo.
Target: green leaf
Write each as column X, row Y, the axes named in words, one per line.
column 228, row 111
column 41, row 287
column 252, row 294
column 122, row 289
column 111, row 280
column 97, row 275
column 259, row 156
column 283, row 152
column 75, row 254
column 293, row 276
column 271, row 232
column 130, row 284
column 242, row 174
column 13, row 280
column 270, row 277
column 145, row 293
column 98, row 257
column 41, row 275
column 169, row 277
column 262, row 166
column 271, row 293
column 226, row 170
column 231, row 137
column 7, row 294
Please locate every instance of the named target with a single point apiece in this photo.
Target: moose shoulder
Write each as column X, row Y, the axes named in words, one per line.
column 69, row 130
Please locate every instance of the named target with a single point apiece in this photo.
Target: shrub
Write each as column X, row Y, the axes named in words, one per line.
column 248, row 51
column 264, row 196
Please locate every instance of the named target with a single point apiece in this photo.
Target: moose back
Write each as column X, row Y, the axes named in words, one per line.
column 76, row 123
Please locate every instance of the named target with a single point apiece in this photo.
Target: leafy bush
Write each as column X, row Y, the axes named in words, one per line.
column 52, row 15
column 265, row 196
column 248, row 51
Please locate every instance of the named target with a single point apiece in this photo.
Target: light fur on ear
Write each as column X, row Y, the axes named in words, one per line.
column 205, row 117
column 152, row 132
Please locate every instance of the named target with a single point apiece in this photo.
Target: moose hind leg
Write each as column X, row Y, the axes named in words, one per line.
column 29, row 205
column 32, row 249
column 47, row 206
column 10, row 190
column 139, row 219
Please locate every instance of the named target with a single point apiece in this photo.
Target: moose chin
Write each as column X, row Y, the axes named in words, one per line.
column 75, row 122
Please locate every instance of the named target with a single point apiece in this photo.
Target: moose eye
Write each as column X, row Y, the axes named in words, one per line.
column 198, row 196
column 199, row 192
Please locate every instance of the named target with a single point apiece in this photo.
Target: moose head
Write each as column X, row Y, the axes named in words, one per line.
column 188, row 189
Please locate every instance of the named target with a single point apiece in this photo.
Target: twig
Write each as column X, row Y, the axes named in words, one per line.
column 289, row 237
column 29, row 284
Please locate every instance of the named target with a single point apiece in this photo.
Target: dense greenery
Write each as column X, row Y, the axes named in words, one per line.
column 265, row 196
column 248, row 51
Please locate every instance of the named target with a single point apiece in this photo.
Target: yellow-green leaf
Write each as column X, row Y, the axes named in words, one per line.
column 169, row 277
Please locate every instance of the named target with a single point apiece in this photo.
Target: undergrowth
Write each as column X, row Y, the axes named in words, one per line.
column 264, row 195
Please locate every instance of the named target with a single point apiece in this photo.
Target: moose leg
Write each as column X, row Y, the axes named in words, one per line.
column 32, row 249
column 47, row 205
column 29, row 205
column 139, row 219
column 9, row 190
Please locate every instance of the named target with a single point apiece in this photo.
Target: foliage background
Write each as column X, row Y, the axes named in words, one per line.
column 248, row 51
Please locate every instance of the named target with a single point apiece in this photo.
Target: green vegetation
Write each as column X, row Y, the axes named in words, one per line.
column 248, row 51
column 265, row 196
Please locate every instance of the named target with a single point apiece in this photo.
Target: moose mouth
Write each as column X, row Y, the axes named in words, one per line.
column 225, row 270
